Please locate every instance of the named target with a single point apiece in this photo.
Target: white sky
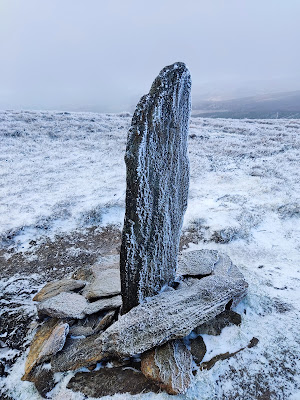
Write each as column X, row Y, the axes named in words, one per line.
column 101, row 55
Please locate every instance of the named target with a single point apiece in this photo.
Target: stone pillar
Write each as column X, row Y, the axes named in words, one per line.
column 157, row 186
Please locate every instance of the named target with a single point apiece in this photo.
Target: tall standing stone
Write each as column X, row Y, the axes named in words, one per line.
column 157, row 186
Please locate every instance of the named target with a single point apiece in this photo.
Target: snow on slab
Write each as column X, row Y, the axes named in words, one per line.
column 60, row 171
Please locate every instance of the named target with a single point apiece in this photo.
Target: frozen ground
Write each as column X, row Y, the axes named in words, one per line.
column 62, row 190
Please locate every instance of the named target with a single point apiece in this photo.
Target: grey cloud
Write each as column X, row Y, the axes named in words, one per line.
column 102, row 55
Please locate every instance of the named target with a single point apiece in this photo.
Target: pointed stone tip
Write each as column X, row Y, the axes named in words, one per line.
column 168, row 77
column 177, row 67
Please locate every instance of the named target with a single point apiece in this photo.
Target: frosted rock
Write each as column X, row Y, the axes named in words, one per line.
column 104, row 304
column 48, row 340
column 73, row 305
column 43, row 380
column 187, row 282
column 106, row 262
column 171, row 315
column 214, row 327
column 92, row 324
column 78, row 353
column 83, row 273
column 85, row 326
column 52, row 289
column 107, row 283
column 290, row 210
column 109, row 381
column 225, row 267
column 197, row 262
column 64, row 305
column 169, row 365
column 198, row 349
column 157, row 186
column 105, row 322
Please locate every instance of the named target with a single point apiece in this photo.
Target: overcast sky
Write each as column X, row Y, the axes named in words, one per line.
column 102, row 55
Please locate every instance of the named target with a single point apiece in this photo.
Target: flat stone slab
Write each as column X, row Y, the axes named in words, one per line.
column 107, row 283
column 52, row 289
column 105, row 321
column 197, row 262
column 109, row 303
column 48, row 340
column 77, row 353
column 170, row 366
column 92, row 324
column 109, row 381
column 170, row 315
column 64, row 305
column 72, row 305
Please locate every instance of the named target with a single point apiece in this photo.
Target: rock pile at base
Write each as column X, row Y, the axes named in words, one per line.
column 152, row 331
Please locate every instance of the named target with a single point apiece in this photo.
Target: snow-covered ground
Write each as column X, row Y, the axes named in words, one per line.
column 64, row 172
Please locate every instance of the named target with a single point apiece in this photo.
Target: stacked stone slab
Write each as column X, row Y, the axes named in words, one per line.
column 157, row 186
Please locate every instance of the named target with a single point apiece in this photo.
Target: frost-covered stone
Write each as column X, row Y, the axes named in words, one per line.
column 197, row 262
column 109, row 303
column 157, row 186
column 109, row 381
column 52, row 289
column 73, row 305
column 171, row 315
column 83, row 273
column 170, row 366
column 105, row 322
column 225, row 267
column 111, row 261
column 92, row 324
column 215, row 326
column 78, row 353
column 104, row 263
column 64, row 305
column 198, row 349
column 48, row 340
column 107, row 283
column 43, row 380
column 290, row 210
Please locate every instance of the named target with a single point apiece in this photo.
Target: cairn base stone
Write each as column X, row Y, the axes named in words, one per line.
column 109, row 381
column 170, row 366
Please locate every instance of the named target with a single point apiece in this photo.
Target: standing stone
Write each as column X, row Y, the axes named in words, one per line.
column 157, row 186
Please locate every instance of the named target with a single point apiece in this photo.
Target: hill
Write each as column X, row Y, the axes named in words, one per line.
column 276, row 105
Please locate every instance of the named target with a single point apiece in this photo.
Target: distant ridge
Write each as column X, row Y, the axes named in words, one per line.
column 274, row 105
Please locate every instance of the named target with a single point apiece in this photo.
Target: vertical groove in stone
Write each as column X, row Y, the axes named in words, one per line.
column 157, row 186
